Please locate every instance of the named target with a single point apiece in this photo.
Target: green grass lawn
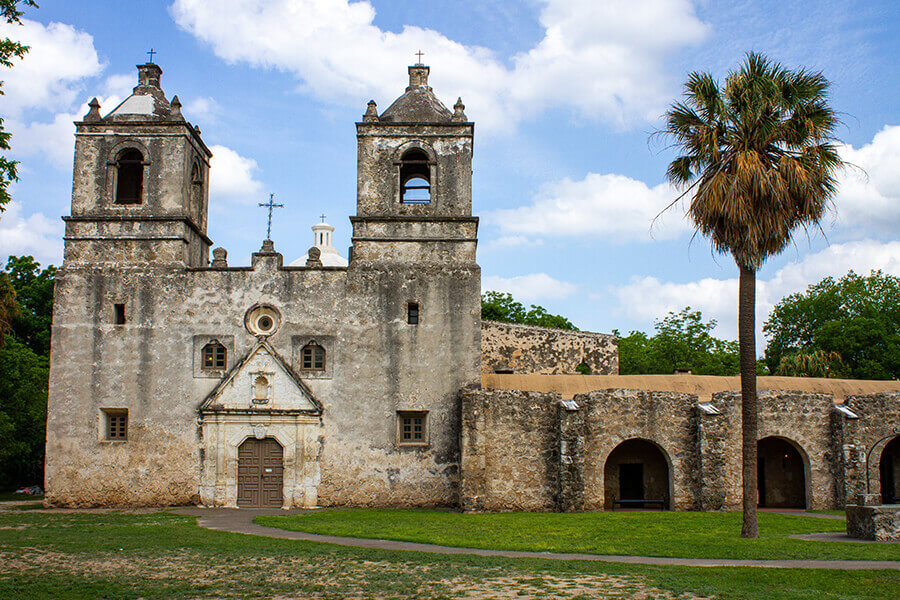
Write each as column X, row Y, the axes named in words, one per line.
column 74, row 556
column 14, row 496
column 664, row 533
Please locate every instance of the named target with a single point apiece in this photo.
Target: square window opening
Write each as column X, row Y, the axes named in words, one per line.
column 412, row 428
column 115, row 424
column 412, row 313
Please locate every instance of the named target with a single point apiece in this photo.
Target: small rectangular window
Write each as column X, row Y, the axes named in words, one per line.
column 412, row 313
column 116, row 424
column 412, row 428
column 120, row 314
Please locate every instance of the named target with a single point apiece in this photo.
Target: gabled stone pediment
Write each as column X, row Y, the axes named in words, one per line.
column 261, row 382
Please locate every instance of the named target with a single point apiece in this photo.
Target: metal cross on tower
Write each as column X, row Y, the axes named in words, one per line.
column 419, row 54
column 151, row 53
column 270, row 205
column 322, row 217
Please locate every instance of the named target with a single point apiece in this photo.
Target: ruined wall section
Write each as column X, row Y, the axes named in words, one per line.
column 863, row 439
column 509, row 347
column 509, row 449
column 666, row 419
column 804, row 420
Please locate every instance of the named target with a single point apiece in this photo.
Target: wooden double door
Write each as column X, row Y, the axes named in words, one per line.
column 260, row 473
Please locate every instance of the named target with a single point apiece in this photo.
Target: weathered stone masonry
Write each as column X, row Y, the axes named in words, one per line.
column 513, row 348
column 557, row 452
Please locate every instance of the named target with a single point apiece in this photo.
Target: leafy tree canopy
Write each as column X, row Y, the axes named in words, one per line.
column 26, row 298
column 682, row 341
column 855, row 321
column 33, row 288
column 9, row 50
column 23, row 414
column 497, row 306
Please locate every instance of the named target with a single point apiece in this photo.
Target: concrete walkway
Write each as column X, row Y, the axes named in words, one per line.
column 241, row 521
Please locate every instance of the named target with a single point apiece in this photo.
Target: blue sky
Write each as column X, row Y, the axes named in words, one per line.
column 564, row 94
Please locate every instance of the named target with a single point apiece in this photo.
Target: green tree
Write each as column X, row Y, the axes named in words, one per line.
column 758, row 157
column 497, row 306
column 682, row 341
column 23, row 414
column 815, row 363
column 856, row 318
column 34, row 299
column 9, row 49
column 24, row 370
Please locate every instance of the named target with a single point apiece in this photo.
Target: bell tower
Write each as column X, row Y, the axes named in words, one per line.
column 141, row 183
column 414, row 180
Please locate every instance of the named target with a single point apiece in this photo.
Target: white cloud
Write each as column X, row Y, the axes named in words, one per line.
column 513, row 241
column 603, row 59
column 55, row 139
column 648, row 298
column 48, row 76
column 529, row 288
column 613, row 206
column 35, row 235
column 203, row 108
column 232, row 177
column 872, row 204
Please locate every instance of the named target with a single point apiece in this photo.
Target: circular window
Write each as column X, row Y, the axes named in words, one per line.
column 262, row 320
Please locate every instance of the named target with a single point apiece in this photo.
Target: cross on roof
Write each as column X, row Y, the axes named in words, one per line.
column 270, row 205
column 151, row 53
column 322, row 216
column 419, row 54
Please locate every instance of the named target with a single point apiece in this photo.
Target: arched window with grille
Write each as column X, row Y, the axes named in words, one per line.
column 415, row 177
column 214, row 356
column 129, row 177
column 312, row 357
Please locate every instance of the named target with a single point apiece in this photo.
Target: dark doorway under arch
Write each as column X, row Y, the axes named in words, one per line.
column 636, row 470
column 781, row 477
column 889, row 470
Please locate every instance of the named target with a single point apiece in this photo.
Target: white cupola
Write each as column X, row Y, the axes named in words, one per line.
column 322, row 239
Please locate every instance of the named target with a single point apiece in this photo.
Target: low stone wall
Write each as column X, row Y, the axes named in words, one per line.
column 536, row 451
column 879, row 523
column 511, row 348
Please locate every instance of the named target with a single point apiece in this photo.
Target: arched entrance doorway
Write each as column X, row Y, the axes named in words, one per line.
column 890, row 472
column 781, row 477
column 260, row 473
column 636, row 475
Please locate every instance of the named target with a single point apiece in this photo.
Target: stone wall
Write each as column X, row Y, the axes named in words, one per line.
column 512, row 348
column 664, row 419
column 864, row 436
column 534, row 451
column 380, row 365
column 509, row 450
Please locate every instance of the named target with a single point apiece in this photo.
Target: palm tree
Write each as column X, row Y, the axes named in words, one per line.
column 759, row 160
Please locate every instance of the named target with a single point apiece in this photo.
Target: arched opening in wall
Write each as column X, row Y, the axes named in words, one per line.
column 889, row 471
column 636, row 475
column 129, row 177
column 415, row 177
column 260, row 473
column 781, row 474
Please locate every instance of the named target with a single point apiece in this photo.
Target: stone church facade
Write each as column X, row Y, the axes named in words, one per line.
column 176, row 379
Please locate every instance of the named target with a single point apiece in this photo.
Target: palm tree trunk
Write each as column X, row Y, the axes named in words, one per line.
column 747, row 344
